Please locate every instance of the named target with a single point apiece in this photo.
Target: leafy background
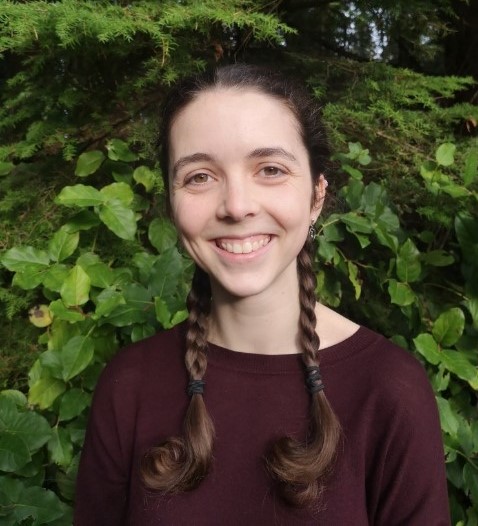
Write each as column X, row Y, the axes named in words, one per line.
column 89, row 260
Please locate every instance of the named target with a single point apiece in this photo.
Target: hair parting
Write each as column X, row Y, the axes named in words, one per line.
column 301, row 468
column 180, row 463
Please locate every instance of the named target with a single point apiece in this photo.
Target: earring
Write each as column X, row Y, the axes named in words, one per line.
column 312, row 231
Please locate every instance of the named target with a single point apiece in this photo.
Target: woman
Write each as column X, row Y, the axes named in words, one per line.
column 227, row 420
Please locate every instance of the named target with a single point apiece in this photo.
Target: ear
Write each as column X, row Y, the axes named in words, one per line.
column 320, row 191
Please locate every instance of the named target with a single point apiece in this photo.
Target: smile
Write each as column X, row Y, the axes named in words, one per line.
column 237, row 246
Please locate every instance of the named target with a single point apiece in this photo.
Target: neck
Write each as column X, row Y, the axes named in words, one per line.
column 262, row 324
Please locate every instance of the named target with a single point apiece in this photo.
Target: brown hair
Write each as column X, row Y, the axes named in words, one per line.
column 180, row 463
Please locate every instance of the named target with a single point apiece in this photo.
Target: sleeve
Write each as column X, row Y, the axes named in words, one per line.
column 103, row 475
column 411, row 479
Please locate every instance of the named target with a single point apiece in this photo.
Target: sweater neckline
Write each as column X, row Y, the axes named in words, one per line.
column 282, row 363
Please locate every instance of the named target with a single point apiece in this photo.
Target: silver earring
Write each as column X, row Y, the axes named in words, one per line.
column 312, row 231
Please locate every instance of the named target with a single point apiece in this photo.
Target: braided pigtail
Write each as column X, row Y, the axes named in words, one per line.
column 299, row 468
column 180, row 463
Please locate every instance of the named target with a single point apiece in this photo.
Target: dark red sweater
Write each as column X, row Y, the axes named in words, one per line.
column 390, row 468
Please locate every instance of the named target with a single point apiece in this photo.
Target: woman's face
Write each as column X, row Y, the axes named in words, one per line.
column 241, row 190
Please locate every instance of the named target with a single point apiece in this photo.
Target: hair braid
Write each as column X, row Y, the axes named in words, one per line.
column 180, row 463
column 300, row 468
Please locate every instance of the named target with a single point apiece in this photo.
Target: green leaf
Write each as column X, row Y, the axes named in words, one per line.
column 353, row 277
column 143, row 175
column 445, row 154
column 449, row 421
column 40, row 504
column 55, row 276
column 437, row 258
column 472, row 306
column 401, row 293
column 140, row 332
column 118, row 150
column 76, row 288
column 83, row 220
column 471, row 168
column 449, row 326
column 24, row 259
column 29, row 279
column 63, row 244
column 408, row 262
column 15, row 396
column 62, row 312
column 353, row 172
column 73, row 403
column 165, row 276
column 470, row 477
column 466, row 228
column 162, row 313
column 60, row 447
column 76, row 356
column 135, row 310
column 100, row 274
column 45, row 391
column 458, row 364
column 80, row 195
column 14, row 453
column 107, row 301
column 428, row 348
column 51, row 360
column 119, row 219
column 357, row 223
column 89, row 162
column 6, row 168
column 118, row 191
column 162, row 234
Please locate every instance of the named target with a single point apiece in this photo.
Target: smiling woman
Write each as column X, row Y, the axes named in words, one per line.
column 272, row 438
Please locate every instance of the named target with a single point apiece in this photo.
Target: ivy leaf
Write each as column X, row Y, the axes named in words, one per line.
column 24, row 259
column 80, row 195
column 45, row 391
column 73, row 403
column 63, row 244
column 408, row 262
column 119, row 219
column 162, row 234
column 445, row 154
column 400, row 293
column 449, row 326
column 143, row 175
column 89, row 162
column 118, row 150
column 76, row 356
column 428, row 348
column 76, row 288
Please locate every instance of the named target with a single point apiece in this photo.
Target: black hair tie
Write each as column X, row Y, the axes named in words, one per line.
column 313, row 379
column 195, row 387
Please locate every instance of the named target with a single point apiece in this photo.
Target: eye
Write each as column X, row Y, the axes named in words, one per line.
column 197, row 179
column 272, row 171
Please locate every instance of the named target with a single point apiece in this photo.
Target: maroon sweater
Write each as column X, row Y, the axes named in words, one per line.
column 390, row 467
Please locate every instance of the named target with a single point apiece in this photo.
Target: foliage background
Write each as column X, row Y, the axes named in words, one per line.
column 89, row 261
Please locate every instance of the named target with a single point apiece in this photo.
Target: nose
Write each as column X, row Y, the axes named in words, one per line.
column 238, row 199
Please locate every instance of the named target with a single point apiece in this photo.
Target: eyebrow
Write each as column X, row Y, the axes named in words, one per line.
column 271, row 152
column 188, row 159
column 258, row 153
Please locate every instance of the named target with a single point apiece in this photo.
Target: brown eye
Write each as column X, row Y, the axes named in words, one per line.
column 272, row 171
column 199, row 178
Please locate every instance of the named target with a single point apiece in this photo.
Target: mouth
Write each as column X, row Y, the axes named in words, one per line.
column 243, row 246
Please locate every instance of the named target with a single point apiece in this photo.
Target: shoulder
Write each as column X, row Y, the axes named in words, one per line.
column 133, row 363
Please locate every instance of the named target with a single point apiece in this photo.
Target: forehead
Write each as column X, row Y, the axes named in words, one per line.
column 222, row 118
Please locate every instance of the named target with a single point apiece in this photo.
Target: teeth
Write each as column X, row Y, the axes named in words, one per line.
column 244, row 248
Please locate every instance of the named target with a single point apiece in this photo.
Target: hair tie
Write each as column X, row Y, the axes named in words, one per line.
column 195, row 387
column 313, row 379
